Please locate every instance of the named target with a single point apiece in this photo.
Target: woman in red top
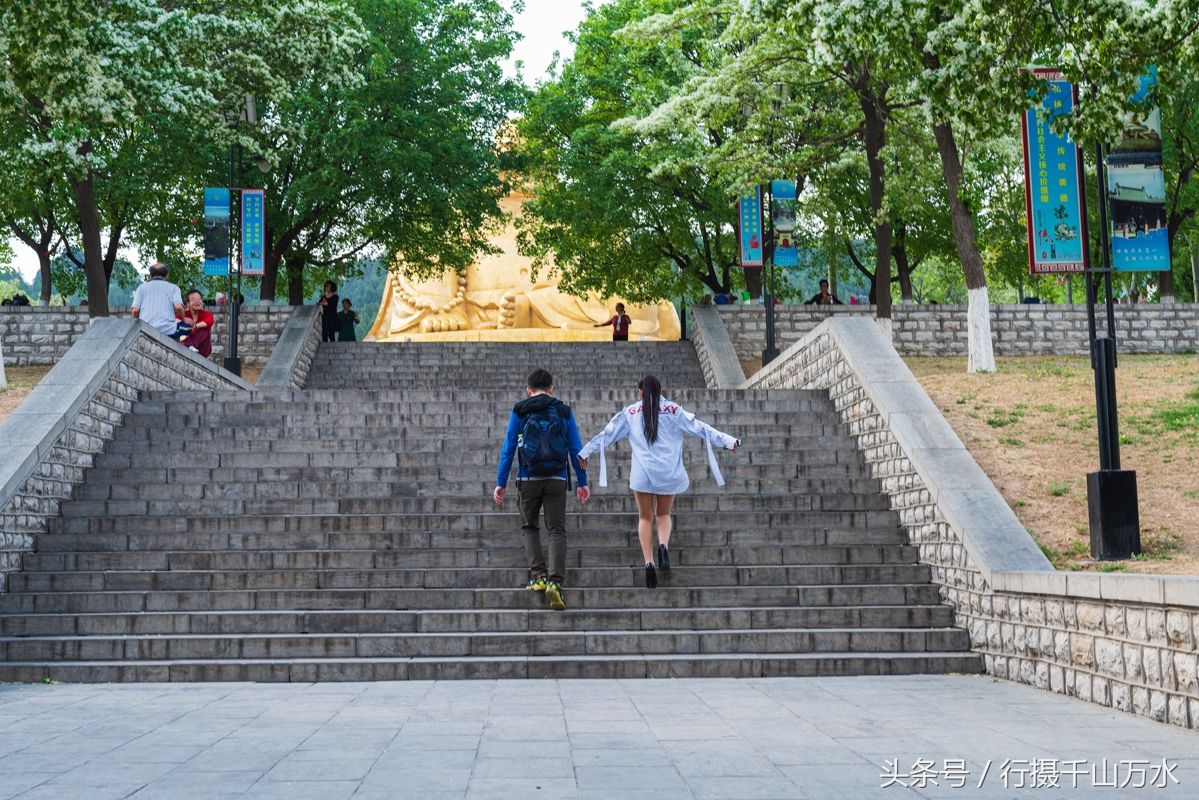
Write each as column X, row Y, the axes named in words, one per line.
column 620, row 324
column 199, row 338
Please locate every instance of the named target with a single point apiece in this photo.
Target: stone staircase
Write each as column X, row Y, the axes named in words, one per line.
column 346, row 532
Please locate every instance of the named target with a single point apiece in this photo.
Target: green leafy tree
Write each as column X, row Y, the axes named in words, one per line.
column 625, row 209
column 406, row 158
column 122, row 78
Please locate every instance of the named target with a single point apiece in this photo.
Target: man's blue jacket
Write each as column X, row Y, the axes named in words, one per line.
column 516, row 424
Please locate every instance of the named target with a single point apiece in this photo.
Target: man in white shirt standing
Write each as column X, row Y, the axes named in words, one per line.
column 157, row 301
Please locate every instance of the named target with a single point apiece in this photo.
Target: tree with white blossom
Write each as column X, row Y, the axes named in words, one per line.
column 83, row 85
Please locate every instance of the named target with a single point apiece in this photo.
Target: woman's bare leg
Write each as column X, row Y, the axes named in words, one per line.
column 664, row 503
column 645, row 524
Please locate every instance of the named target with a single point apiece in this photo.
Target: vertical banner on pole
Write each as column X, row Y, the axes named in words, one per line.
column 1136, row 189
column 750, row 225
column 216, row 232
column 783, row 201
column 1057, row 231
column 253, row 231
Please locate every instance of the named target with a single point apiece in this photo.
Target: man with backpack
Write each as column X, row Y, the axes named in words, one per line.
column 544, row 439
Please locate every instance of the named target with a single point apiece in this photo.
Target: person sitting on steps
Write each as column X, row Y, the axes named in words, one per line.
column 542, row 433
column 655, row 428
column 195, row 324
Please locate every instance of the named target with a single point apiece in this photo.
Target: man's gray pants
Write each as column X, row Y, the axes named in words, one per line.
column 550, row 496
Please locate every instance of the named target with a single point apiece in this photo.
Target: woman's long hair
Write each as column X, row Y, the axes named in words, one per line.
column 651, row 394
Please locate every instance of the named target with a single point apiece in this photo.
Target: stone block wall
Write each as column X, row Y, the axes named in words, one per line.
column 717, row 358
column 1019, row 330
column 66, row 421
column 291, row 359
column 35, row 335
column 1120, row 640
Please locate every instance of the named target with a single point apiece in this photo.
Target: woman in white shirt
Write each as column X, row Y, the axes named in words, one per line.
column 655, row 428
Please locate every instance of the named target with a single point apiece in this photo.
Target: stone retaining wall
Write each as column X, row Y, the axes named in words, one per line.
column 36, row 335
column 1120, row 640
column 69, row 417
column 717, row 357
column 291, row 360
column 1019, row 330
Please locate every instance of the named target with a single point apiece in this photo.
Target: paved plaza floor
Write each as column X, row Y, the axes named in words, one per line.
column 662, row 739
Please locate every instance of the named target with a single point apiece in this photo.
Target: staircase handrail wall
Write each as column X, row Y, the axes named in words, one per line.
column 717, row 356
column 52, row 438
column 291, row 359
column 1126, row 641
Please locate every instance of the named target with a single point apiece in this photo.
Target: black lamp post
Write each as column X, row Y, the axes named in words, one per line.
column 1111, row 492
column 248, row 113
column 771, row 351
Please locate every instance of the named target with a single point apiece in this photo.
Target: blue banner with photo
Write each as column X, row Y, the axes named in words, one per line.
column 783, row 202
column 253, row 231
column 1052, row 181
column 750, row 224
column 1136, row 188
column 216, row 232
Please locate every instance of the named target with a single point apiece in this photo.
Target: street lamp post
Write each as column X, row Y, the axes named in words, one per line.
column 771, row 351
column 248, row 113
column 1112, row 507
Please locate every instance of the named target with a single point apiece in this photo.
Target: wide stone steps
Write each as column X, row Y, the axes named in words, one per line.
column 737, row 665
column 334, row 621
column 368, row 476
column 480, row 645
column 665, row 596
column 448, row 558
column 346, row 532
column 448, row 578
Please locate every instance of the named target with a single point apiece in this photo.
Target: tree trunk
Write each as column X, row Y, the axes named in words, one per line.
column 875, row 138
column 1165, row 287
column 903, row 266
column 93, row 258
column 295, row 280
column 753, row 281
column 270, row 272
column 978, row 311
column 43, row 261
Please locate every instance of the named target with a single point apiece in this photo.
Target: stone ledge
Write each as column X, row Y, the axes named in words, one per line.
column 722, row 368
column 290, row 360
column 68, row 417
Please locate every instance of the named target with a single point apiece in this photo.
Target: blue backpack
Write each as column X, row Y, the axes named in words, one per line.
column 542, row 446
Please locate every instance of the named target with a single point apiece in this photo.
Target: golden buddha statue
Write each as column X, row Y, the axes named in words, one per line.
column 497, row 300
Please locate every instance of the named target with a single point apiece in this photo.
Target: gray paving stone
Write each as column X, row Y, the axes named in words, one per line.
column 745, row 788
column 508, row 788
column 300, row 766
column 302, row 790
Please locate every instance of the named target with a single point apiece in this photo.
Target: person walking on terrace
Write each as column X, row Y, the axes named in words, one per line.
column 655, row 428
column 329, row 305
column 824, row 297
column 347, row 318
column 543, row 437
column 620, row 324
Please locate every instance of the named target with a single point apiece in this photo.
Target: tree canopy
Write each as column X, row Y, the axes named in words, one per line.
column 377, row 131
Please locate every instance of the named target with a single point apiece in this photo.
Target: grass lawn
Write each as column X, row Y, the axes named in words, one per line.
column 21, row 381
column 1031, row 426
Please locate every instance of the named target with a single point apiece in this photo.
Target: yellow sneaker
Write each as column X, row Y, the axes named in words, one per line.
column 553, row 593
column 537, row 584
